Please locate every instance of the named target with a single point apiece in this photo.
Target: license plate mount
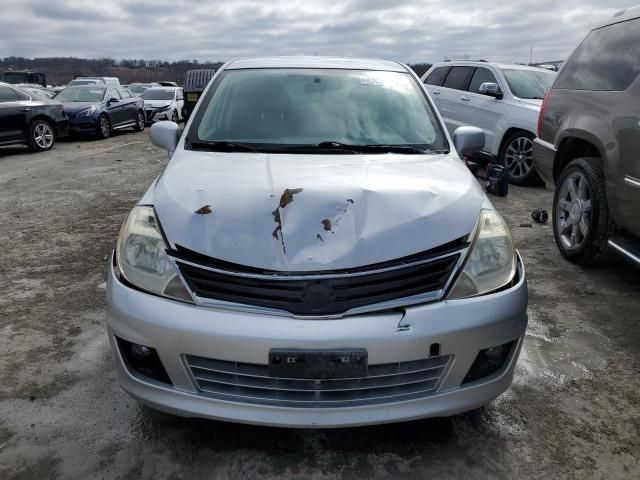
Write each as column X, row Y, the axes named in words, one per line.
column 318, row 364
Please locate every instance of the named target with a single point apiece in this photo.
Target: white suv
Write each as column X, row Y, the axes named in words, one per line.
column 503, row 100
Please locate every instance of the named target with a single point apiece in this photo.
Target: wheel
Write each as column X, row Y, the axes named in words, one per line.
column 517, row 156
column 41, row 136
column 174, row 116
column 104, row 127
column 582, row 224
column 139, row 122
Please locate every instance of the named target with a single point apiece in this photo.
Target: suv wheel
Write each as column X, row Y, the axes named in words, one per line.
column 581, row 221
column 41, row 136
column 104, row 127
column 517, row 156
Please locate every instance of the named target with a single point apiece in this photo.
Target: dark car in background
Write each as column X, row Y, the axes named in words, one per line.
column 36, row 122
column 24, row 76
column 100, row 109
column 588, row 144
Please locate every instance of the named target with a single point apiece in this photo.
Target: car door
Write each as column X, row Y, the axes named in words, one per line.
column 115, row 107
column 129, row 105
column 434, row 81
column 454, row 98
column 483, row 111
column 14, row 113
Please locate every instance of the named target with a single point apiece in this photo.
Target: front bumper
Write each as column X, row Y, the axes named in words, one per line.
column 152, row 116
column 175, row 329
column 544, row 154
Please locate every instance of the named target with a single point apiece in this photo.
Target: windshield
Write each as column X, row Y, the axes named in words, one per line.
column 139, row 88
column 38, row 94
column 84, row 82
column 529, row 83
column 81, row 94
column 305, row 107
column 158, row 94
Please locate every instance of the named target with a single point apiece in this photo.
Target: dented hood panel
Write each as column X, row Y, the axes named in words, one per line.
column 314, row 212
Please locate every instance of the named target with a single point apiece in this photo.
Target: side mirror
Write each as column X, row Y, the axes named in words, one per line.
column 112, row 100
column 165, row 135
column 490, row 89
column 466, row 140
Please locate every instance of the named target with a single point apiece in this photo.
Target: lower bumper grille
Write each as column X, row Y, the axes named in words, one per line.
column 251, row 384
column 150, row 114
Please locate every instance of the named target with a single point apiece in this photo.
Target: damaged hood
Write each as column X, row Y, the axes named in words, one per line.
column 314, row 212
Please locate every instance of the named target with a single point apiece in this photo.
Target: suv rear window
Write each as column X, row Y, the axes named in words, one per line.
column 437, row 76
column 458, row 78
column 607, row 59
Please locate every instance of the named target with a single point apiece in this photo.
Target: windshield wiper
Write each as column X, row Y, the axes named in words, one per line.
column 222, row 146
column 346, row 147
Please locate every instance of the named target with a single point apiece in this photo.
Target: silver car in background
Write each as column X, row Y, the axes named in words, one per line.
column 315, row 255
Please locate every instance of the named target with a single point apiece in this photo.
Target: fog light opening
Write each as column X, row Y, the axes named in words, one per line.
column 143, row 360
column 489, row 361
column 434, row 350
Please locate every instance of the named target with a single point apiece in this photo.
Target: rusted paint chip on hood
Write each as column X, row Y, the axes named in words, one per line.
column 287, row 196
column 285, row 199
column 204, row 210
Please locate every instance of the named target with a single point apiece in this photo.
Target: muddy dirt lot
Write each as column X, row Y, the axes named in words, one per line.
column 572, row 412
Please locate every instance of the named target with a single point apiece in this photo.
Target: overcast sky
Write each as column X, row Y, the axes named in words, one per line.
column 405, row 30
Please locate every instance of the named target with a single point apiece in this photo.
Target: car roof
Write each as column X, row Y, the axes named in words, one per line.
column 97, row 85
column 316, row 62
column 621, row 16
column 161, row 87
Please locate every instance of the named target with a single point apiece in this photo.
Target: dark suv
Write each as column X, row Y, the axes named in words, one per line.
column 588, row 144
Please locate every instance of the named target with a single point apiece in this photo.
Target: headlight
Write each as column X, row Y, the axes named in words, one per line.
column 141, row 256
column 492, row 261
column 88, row 112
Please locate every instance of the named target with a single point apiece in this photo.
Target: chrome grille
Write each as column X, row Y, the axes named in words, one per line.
column 323, row 293
column 251, row 383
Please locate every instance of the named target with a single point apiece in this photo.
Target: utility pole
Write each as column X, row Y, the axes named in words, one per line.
column 530, row 55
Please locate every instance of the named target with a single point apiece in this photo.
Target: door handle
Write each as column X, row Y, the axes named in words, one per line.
column 25, row 109
column 435, row 92
column 465, row 99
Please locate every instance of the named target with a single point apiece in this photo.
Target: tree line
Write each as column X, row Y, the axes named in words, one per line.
column 60, row 70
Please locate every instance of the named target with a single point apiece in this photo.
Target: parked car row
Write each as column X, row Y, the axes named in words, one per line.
column 91, row 107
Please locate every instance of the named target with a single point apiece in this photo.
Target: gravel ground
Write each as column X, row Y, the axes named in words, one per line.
column 573, row 410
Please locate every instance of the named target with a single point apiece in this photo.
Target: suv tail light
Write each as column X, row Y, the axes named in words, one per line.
column 547, row 94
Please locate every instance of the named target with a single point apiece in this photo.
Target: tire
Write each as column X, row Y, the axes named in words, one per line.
column 140, row 122
column 42, row 136
column 103, row 129
column 516, row 155
column 174, row 116
column 582, row 223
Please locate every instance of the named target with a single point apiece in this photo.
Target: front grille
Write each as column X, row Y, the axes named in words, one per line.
column 150, row 114
column 251, row 383
column 320, row 293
